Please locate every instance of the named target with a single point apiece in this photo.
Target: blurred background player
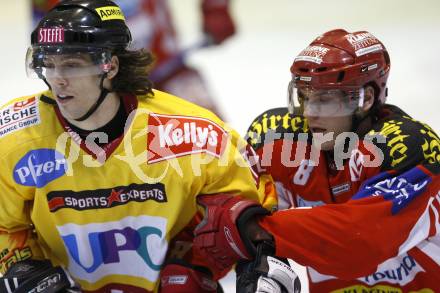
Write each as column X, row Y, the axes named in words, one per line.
column 152, row 27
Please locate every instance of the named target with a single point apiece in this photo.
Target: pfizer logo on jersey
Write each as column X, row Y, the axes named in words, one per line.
column 39, row 167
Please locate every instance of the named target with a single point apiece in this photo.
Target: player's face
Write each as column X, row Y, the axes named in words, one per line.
column 74, row 81
column 328, row 116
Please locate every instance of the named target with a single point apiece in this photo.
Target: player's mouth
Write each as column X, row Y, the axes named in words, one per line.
column 64, row 98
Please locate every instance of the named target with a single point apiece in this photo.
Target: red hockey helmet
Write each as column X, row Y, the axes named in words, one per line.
column 339, row 60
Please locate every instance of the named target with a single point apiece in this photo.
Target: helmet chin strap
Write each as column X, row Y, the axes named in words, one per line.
column 92, row 109
column 101, row 98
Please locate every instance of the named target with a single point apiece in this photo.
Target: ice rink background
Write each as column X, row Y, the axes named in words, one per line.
column 250, row 72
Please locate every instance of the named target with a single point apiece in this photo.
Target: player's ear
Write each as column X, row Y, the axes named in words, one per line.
column 114, row 67
column 368, row 98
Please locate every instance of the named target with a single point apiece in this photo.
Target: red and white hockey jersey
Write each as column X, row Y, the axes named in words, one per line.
column 366, row 223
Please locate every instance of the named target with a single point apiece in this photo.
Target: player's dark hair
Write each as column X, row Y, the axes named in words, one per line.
column 132, row 77
column 377, row 104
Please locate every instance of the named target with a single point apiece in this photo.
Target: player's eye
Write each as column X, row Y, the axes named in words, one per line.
column 71, row 65
column 48, row 64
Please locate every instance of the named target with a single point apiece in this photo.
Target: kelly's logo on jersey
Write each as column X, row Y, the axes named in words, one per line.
column 39, row 167
column 50, row 35
column 106, row 198
column 19, row 115
column 171, row 136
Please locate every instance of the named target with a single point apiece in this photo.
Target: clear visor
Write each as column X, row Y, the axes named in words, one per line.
column 66, row 62
column 308, row 101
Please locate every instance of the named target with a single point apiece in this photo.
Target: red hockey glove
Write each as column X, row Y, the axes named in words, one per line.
column 180, row 276
column 217, row 22
column 222, row 236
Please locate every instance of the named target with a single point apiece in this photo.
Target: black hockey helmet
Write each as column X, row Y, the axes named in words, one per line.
column 95, row 27
column 87, row 29
column 95, row 23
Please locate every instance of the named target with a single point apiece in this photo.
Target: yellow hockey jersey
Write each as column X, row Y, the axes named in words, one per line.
column 108, row 214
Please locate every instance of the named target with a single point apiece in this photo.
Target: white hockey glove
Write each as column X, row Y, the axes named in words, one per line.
column 266, row 274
